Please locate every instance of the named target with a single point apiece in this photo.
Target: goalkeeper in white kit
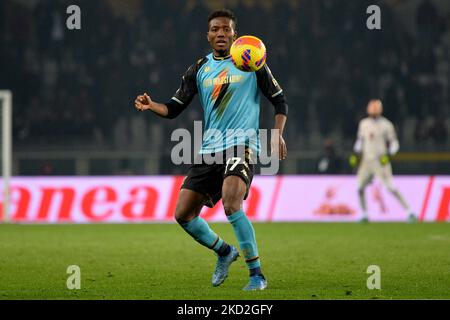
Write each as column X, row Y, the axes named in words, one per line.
column 376, row 142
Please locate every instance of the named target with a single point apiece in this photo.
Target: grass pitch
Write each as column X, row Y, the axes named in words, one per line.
column 160, row 261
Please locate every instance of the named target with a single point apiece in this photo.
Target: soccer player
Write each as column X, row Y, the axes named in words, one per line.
column 376, row 142
column 230, row 99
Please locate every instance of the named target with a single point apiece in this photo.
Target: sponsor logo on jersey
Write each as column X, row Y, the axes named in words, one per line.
column 222, row 80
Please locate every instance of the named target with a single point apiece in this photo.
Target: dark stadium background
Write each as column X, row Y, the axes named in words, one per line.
column 74, row 90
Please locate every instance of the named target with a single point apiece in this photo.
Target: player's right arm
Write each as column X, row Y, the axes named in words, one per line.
column 357, row 148
column 181, row 99
column 144, row 103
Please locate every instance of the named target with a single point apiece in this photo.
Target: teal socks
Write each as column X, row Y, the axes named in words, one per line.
column 199, row 229
column 245, row 235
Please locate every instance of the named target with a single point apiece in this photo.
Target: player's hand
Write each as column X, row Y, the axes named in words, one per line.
column 384, row 160
column 142, row 102
column 353, row 160
column 282, row 149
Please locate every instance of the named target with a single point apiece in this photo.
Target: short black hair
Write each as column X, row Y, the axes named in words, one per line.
column 223, row 13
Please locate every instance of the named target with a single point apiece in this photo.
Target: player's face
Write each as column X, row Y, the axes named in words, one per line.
column 221, row 35
column 374, row 109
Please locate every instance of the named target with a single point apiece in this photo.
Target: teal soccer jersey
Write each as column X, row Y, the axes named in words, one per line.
column 230, row 99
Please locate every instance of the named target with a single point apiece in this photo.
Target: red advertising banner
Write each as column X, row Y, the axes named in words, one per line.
column 278, row 198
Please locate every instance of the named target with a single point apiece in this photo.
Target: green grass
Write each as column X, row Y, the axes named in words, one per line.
column 160, row 261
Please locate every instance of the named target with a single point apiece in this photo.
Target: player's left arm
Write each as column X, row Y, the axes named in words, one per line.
column 392, row 142
column 274, row 93
column 392, row 139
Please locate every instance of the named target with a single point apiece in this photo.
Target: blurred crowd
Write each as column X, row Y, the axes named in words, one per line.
column 76, row 88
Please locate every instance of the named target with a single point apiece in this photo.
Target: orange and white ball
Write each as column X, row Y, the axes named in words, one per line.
column 248, row 53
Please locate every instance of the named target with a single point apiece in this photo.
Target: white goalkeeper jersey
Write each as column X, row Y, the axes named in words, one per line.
column 376, row 137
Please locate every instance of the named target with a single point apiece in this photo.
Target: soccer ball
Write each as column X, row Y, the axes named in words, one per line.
column 248, row 53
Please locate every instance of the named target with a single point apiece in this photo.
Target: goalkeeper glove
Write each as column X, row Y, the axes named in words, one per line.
column 353, row 160
column 384, row 160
